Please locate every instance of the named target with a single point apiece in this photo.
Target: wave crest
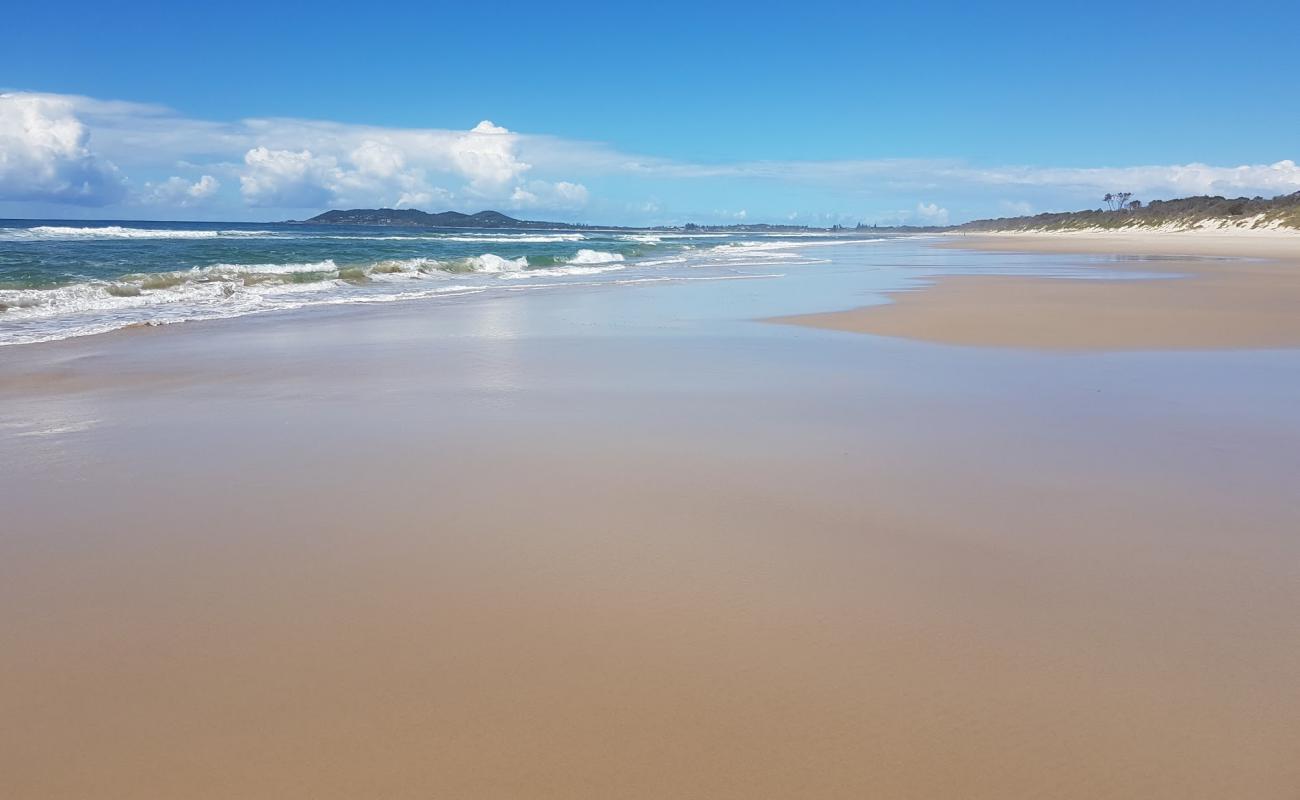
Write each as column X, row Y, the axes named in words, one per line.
column 121, row 232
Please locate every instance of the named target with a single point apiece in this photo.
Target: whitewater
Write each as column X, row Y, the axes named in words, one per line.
column 61, row 279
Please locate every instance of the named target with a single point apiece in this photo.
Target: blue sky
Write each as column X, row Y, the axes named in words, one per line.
column 809, row 112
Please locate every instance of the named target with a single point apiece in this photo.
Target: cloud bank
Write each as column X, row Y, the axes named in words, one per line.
column 69, row 151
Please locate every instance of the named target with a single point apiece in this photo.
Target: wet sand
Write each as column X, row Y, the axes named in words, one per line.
column 1241, row 292
column 597, row 545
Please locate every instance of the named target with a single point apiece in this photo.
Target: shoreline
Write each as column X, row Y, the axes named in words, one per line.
column 1209, row 242
column 1238, row 291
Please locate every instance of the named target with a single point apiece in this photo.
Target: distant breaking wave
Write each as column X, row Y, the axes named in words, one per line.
column 109, row 232
column 105, row 282
column 118, row 232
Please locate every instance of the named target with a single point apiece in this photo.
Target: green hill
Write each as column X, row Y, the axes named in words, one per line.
column 414, row 218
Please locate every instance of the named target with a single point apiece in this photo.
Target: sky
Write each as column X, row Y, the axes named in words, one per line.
column 665, row 113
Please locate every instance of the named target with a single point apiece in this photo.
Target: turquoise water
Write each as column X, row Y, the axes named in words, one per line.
column 60, row 279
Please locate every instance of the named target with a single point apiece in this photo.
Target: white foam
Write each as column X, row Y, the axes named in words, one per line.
column 230, row 289
column 585, row 256
column 490, row 262
column 751, row 247
column 120, row 232
column 406, row 265
column 46, row 232
column 556, row 272
column 236, row 270
column 509, row 238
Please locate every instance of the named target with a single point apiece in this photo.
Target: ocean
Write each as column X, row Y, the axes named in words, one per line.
column 60, row 279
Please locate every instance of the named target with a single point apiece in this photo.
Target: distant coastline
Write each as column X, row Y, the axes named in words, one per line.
column 495, row 220
column 414, row 218
column 1201, row 213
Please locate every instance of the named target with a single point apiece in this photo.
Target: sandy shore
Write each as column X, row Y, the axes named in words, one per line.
column 633, row 545
column 1238, row 243
column 1194, row 304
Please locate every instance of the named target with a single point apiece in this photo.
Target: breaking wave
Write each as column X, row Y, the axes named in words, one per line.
column 49, row 291
column 232, row 289
column 121, row 232
column 111, row 232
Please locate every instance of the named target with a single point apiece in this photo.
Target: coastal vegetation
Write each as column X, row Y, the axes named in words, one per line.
column 1188, row 213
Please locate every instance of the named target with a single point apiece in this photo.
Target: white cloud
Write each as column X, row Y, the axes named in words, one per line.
column 373, row 173
column 177, row 191
column 357, row 164
column 351, row 165
column 486, row 156
column 64, row 148
column 378, row 159
column 288, row 179
column 541, row 194
column 1281, row 177
column 574, row 194
column 931, row 214
column 434, row 196
column 379, row 171
column 45, row 154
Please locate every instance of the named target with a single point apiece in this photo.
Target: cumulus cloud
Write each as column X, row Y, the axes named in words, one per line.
column 486, row 156
column 931, row 214
column 378, row 159
column 376, row 171
column 288, row 179
column 303, row 179
column 177, row 191
column 541, row 194
column 45, row 154
column 574, row 194
column 348, row 165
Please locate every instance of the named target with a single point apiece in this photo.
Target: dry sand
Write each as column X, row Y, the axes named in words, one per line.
column 1218, row 303
column 387, row 553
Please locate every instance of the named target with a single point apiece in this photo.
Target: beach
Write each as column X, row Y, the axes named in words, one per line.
column 635, row 541
column 1223, row 291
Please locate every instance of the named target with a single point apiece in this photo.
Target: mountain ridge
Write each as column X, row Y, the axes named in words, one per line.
column 415, row 218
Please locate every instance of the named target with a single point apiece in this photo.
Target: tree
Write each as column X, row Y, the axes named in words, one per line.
column 1118, row 201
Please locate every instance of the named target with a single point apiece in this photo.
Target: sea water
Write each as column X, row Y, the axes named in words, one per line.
column 60, row 279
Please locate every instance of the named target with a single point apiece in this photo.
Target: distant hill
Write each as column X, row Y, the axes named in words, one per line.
column 1187, row 213
column 414, row 218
